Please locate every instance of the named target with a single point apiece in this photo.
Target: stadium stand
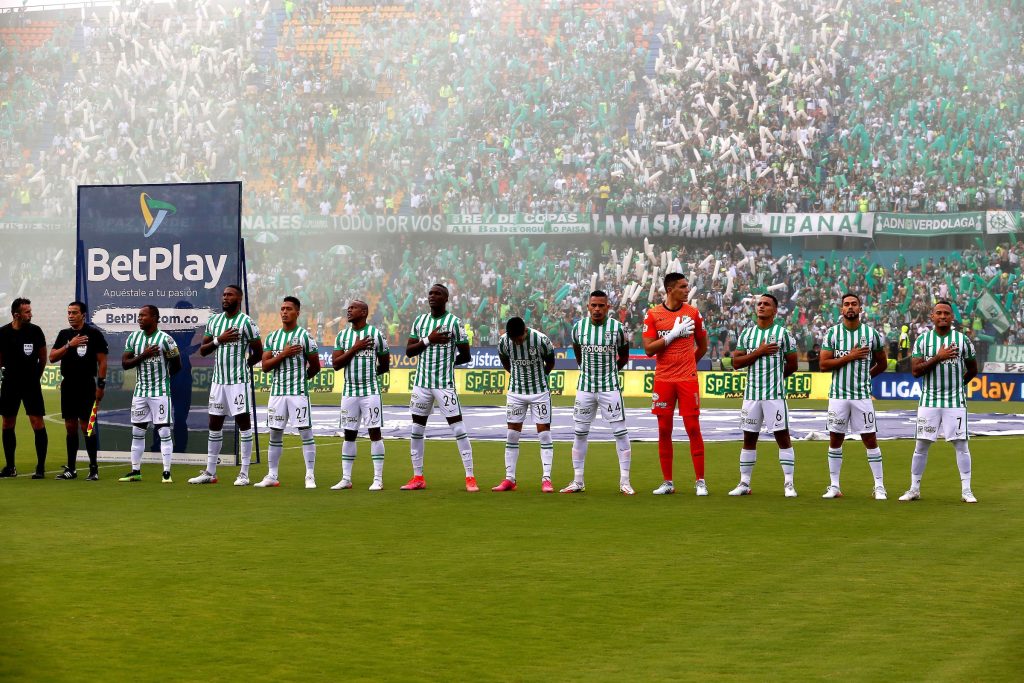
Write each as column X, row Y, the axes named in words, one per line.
column 329, row 108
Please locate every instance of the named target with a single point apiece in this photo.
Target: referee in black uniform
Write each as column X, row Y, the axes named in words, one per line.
column 22, row 358
column 82, row 352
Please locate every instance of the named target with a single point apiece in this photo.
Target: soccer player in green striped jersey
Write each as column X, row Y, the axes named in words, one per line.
column 439, row 340
column 291, row 355
column 362, row 351
column 235, row 338
column 945, row 361
column 154, row 356
column 768, row 350
column 853, row 353
column 601, row 348
column 529, row 357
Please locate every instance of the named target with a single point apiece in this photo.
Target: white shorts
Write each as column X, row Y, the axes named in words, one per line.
column 229, row 399
column 423, row 400
column 289, row 410
column 155, row 409
column 539, row 406
column 587, row 402
column 361, row 410
column 851, row 416
column 951, row 423
column 772, row 414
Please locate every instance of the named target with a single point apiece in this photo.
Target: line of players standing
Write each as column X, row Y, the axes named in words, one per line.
column 673, row 333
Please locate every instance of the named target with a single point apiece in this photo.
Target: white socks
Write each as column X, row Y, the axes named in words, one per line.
column 348, row 458
column 274, row 451
column 963, row 463
column 875, row 463
column 416, row 448
column 246, row 438
column 511, row 453
column 166, row 446
column 787, row 458
column 748, row 458
column 918, row 463
column 581, row 431
column 377, row 456
column 547, row 452
column 835, row 465
column 465, row 448
column 138, row 446
column 214, row 442
column 308, row 449
column 623, row 449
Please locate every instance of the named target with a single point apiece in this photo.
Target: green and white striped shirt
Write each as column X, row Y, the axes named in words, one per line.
column 436, row 366
column 290, row 376
column 527, row 361
column 361, row 372
column 853, row 380
column 229, row 365
column 599, row 351
column 153, row 375
column 765, row 376
column 944, row 387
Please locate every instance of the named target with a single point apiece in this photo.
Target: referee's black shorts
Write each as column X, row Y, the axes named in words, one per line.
column 16, row 391
column 77, row 398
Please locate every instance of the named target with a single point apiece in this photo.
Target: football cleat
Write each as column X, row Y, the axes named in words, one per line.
column 789, row 490
column 742, row 489
column 546, row 486
column 832, row 492
column 626, row 490
column 203, row 477
column 242, row 480
column 94, row 475
column 39, row 474
column 700, row 487
column 68, row 473
column 879, row 493
column 167, row 478
column 665, row 489
column 968, row 497
column 417, row 483
column 377, row 485
column 471, row 485
column 911, row 494
column 8, row 473
column 134, row 475
column 505, row 485
column 574, row 487
column 310, row 481
column 343, row 484
column 268, row 482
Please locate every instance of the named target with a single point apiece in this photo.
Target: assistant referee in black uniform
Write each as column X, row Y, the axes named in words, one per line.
column 82, row 352
column 22, row 358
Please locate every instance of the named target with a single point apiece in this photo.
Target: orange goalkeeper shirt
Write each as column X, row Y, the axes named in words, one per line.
column 676, row 363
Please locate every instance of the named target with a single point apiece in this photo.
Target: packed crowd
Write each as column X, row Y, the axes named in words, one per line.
column 547, row 283
column 533, row 105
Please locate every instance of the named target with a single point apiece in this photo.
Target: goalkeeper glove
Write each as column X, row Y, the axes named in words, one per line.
column 683, row 328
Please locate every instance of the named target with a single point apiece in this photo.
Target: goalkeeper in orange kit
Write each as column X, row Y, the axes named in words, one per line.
column 674, row 334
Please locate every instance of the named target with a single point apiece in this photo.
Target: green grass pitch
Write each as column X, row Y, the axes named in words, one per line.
column 109, row 581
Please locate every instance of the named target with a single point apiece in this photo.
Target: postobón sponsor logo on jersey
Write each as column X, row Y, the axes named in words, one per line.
column 153, row 222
